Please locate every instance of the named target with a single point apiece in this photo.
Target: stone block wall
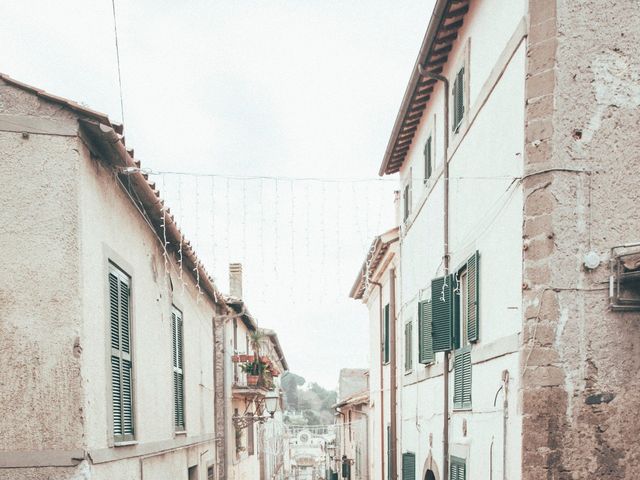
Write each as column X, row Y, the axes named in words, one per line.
column 580, row 362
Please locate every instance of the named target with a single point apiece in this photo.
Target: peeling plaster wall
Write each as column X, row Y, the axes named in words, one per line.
column 580, row 360
column 40, row 322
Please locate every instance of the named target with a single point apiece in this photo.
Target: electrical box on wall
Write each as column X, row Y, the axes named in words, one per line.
column 624, row 282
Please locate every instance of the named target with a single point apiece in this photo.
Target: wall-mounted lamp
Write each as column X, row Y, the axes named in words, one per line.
column 270, row 402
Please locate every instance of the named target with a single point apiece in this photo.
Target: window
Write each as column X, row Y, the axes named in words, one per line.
column 408, row 466
column 466, row 329
column 121, row 359
column 407, row 201
column 386, row 346
column 209, row 473
column 426, row 354
column 192, row 473
column 458, row 100
column 428, row 159
column 458, row 469
column 178, row 369
column 442, row 314
column 408, row 346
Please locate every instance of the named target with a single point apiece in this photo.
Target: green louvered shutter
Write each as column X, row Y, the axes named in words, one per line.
column 458, row 100
column 178, row 369
column 426, row 354
column 458, row 469
column 473, row 296
column 386, row 333
column 408, row 344
column 408, row 466
column 121, row 362
column 462, row 378
column 428, row 163
column 442, row 313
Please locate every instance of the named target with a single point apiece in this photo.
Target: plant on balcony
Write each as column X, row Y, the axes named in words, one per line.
column 254, row 369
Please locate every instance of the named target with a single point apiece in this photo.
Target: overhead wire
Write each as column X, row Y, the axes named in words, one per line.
column 115, row 32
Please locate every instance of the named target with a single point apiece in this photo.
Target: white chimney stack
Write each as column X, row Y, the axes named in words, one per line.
column 235, row 280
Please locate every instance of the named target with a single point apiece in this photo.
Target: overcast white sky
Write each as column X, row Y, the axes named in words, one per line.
column 280, row 88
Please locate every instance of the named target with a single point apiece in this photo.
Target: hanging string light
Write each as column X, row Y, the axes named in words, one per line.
column 213, row 222
column 293, row 250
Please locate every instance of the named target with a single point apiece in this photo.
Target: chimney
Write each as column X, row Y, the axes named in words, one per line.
column 235, row 280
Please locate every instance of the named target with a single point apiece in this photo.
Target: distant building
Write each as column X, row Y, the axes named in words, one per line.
column 246, row 438
column 374, row 287
column 351, row 460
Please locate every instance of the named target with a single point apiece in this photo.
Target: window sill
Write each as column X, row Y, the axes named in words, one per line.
column 180, row 433
column 462, row 409
column 127, row 443
column 408, row 372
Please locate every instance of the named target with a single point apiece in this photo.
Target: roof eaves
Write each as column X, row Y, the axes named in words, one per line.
column 377, row 251
column 418, row 91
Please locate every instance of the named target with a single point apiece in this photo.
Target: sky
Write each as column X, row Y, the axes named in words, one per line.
column 275, row 113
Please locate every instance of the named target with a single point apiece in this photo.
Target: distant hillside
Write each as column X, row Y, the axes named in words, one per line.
column 307, row 404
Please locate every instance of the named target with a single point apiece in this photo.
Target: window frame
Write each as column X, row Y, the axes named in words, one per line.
column 458, row 462
column 459, row 95
column 122, row 277
column 177, row 333
column 408, row 347
column 407, row 200
column 428, row 162
column 386, row 332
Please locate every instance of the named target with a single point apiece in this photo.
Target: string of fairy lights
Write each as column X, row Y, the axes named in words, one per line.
column 302, row 237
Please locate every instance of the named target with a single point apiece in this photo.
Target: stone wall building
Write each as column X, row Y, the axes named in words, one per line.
column 517, row 288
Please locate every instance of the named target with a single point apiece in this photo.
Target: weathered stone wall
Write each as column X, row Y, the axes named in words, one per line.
column 41, row 404
column 581, row 387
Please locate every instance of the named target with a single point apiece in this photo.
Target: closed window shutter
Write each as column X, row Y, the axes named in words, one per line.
column 428, row 166
column 458, row 469
column 386, row 333
column 408, row 466
column 121, row 363
column 473, row 296
column 442, row 313
column 408, row 343
column 462, row 378
column 178, row 369
column 458, row 99
column 426, row 354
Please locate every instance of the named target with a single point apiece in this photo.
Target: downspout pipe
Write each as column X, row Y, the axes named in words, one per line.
column 445, row 258
column 394, row 380
column 381, row 313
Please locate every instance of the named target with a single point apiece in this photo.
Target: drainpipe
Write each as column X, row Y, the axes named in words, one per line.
column 381, row 327
column 447, row 354
column 505, row 420
column 392, row 352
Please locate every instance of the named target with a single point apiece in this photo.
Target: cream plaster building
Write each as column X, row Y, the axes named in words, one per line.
column 254, row 449
column 511, row 303
column 107, row 337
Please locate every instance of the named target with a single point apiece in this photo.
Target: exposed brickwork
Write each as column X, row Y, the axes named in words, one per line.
column 580, row 387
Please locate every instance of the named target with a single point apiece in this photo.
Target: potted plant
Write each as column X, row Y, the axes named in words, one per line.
column 254, row 370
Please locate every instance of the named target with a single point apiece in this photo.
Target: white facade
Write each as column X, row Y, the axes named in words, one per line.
column 485, row 216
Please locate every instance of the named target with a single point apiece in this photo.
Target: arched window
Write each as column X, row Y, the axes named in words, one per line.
column 430, row 475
